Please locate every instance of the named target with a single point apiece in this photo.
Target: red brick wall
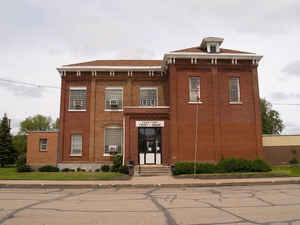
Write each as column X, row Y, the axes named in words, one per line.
column 74, row 122
column 224, row 130
column 35, row 157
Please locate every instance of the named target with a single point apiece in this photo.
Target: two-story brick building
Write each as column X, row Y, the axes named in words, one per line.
column 200, row 102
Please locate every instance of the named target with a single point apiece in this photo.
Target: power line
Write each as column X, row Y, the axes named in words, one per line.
column 29, row 84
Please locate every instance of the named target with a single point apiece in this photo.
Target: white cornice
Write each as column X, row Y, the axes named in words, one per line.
column 109, row 68
column 205, row 55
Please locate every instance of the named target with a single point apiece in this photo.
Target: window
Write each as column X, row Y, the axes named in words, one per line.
column 77, row 99
column 76, row 145
column 112, row 140
column 194, row 89
column 43, row 144
column 114, row 98
column 148, row 97
column 234, row 90
column 213, row 48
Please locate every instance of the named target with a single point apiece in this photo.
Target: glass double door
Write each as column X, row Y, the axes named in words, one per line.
column 149, row 145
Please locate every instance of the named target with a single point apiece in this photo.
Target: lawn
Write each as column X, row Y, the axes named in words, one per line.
column 293, row 171
column 277, row 171
column 10, row 173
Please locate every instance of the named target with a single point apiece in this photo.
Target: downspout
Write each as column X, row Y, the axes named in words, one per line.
column 123, row 149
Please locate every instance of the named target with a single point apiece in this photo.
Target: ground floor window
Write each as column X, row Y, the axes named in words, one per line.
column 43, row 144
column 112, row 140
column 76, row 145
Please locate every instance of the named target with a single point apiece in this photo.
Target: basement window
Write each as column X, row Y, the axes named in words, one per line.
column 43, row 144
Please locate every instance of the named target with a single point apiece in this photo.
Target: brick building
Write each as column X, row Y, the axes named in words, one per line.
column 147, row 109
column 198, row 102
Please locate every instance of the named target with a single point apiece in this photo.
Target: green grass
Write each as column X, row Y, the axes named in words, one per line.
column 289, row 170
column 10, row 173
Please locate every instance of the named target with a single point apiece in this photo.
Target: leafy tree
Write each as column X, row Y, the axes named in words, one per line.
column 55, row 125
column 36, row 123
column 271, row 121
column 7, row 152
column 20, row 143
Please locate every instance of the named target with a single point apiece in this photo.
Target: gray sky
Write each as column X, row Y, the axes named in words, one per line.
column 39, row 35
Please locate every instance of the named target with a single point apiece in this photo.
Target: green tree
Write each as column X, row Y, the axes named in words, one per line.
column 7, row 152
column 20, row 143
column 35, row 123
column 271, row 121
column 55, row 125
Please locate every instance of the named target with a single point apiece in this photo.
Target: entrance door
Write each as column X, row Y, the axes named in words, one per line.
column 149, row 145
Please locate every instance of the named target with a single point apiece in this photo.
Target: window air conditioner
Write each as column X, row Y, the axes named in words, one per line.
column 113, row 149
column 78, row 104
column 114, row 103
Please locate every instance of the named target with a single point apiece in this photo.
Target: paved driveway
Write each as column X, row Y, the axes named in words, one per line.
column 270, row 204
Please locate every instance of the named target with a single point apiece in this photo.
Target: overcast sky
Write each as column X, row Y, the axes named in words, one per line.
column 39, row 35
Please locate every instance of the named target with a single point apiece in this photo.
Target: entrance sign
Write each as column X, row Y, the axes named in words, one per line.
column 147, row 123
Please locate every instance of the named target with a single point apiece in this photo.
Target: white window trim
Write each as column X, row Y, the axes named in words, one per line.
column 74, row 154
column 44, row 150
column 118, row 127
column 149, row 88
column 199, row 102
column 238, row 102
column 113, row 110
column 195, row 102
column 76, row 88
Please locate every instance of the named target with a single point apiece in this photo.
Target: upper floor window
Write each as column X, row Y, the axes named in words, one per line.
column 114, row 98
column 213, row 48
column 112, row 140
column 77, row 99
column 148, row 96
column 194, row 89
column 76, row 145
column 43, row 144
column 234, row 90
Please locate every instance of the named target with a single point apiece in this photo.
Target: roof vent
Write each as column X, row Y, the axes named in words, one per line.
column 211, row 44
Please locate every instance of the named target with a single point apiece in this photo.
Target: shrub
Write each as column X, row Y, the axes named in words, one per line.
column 294, row 161
column 259, row 165
column 231, row 165
column 117, row 163
column 124, row 169
column 48, row 168
column 105, row 168
column 97, row 170
column 21, row 165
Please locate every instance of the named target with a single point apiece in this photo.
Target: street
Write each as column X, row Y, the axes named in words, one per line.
column 261, row 204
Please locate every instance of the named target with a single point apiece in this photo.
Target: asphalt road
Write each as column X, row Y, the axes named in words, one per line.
column 269, row 204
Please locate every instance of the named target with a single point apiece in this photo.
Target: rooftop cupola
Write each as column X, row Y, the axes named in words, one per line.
column 211, row 44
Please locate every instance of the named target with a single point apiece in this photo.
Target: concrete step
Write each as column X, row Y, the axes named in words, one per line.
column 152, row 170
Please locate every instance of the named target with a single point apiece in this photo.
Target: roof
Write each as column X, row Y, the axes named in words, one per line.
column 120, row 63
column 222, row 50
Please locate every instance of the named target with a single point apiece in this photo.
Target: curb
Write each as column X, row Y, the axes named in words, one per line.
column 173, row 185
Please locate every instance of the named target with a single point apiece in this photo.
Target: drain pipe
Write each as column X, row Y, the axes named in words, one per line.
column 123, row 149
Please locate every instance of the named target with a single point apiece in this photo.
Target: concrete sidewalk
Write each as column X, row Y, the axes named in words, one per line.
column 155, row 181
